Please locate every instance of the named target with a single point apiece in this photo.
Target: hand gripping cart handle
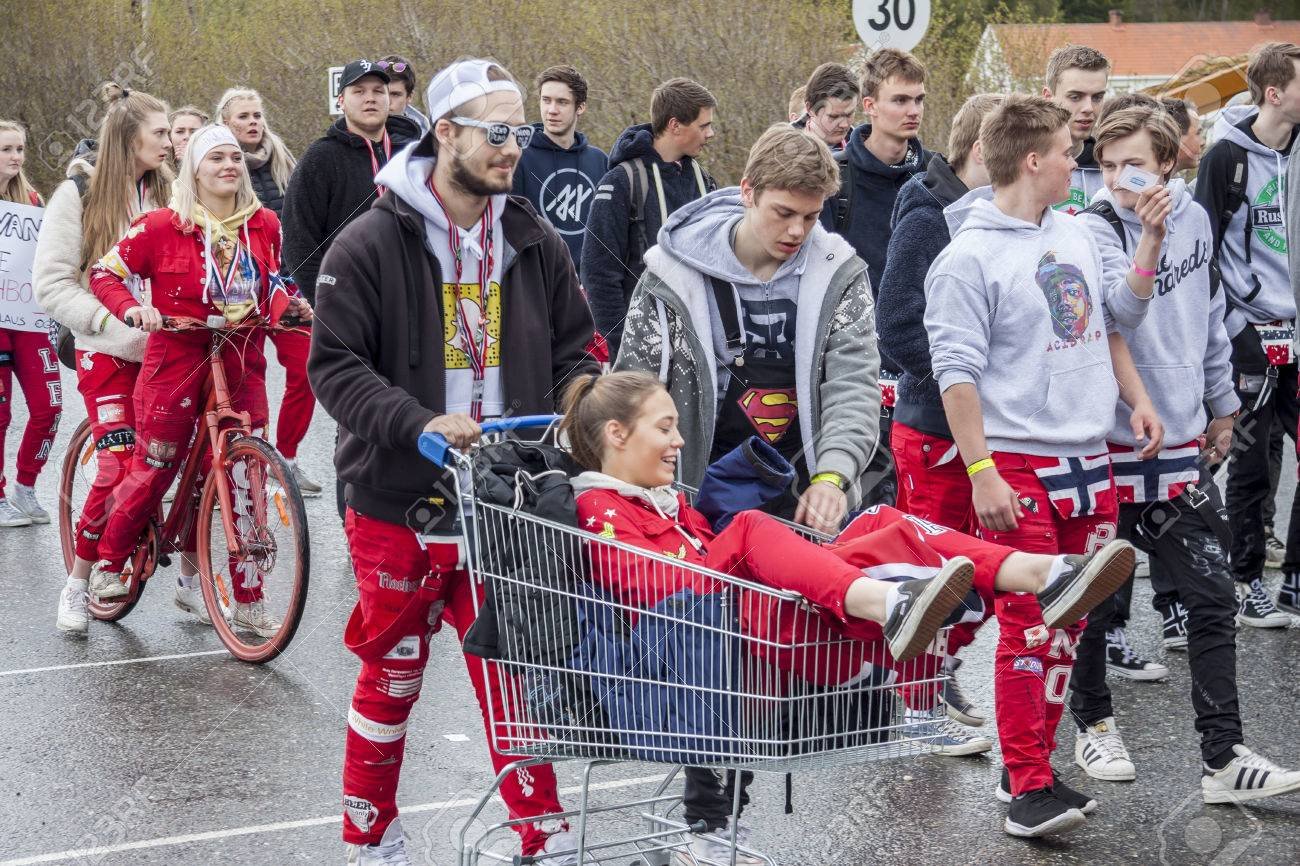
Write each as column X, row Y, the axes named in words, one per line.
column 435, row 448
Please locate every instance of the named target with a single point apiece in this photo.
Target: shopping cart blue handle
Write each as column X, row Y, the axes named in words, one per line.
column 435, row 448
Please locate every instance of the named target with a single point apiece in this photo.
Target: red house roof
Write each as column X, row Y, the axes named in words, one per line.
column 1161, row 49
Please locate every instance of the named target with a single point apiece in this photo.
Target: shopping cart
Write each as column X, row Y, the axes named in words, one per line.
column 732, row 675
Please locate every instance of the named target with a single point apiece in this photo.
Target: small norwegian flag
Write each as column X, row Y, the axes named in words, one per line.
column 1076, row 486
column 279, row 299
column 1277, row 338
column 1160, row 479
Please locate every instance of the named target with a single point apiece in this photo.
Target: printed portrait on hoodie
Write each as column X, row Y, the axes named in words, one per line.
column 1067, row 296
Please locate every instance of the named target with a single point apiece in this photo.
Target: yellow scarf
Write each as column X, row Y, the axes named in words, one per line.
column 225, row 239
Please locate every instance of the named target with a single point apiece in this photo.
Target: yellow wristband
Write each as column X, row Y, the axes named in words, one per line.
column 979, row 466
column 833, row 477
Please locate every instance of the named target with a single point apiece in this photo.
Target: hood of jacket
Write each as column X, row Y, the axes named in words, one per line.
column 407, row 175
column 867, row 161
column 936, row 188
column 699, row 234
column 957, row 213
column 542, row 141
column 664, row 500
column 401, row 131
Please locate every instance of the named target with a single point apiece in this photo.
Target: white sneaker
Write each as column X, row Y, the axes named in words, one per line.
column 1100, row 751
column 11, row 516
column 306, row 486
column 390, row 850
column 1247, row 777
column 254, row 617
column 190, row 600
column 73, row 616
column 714, row 849
column 941, row 735
column 561, row 849
column 24, row 499
column 105, row 583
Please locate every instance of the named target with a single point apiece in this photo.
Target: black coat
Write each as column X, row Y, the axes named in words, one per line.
column 376, row 363
column 333, row 184
column 270, row 195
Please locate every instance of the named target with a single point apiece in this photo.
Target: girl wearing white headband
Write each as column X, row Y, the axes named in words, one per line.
column 213, row 252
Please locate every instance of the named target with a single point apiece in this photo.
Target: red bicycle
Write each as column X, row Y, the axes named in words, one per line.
column 251, row 523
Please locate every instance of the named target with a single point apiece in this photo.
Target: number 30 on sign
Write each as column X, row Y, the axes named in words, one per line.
column 891, row 23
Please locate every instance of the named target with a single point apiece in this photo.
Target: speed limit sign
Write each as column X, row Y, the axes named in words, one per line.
column 897, row 24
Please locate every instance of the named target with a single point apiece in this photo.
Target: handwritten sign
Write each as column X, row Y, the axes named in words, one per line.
column 19, row 226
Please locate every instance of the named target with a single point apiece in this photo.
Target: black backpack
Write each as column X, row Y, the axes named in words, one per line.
column 1106, row 211
column 843, row 198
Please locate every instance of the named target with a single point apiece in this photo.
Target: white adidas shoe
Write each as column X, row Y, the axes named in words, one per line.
column 190, row 600
column 1100, row 751
column 253, row 616
column 73, row 617
column 105, row 583
column 1248, row 776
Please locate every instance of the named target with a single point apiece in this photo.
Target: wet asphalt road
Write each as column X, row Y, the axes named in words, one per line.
column 146, row 744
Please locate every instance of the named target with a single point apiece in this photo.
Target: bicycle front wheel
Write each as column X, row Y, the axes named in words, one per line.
column 255, row 593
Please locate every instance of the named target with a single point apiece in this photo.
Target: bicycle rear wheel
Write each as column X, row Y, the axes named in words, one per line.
column 80, row 467
column 269, row 571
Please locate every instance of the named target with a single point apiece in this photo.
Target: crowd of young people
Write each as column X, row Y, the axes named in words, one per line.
column 1006, row 340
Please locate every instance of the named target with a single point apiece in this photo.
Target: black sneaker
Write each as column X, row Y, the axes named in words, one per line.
column 922, row 606
column 1063, row 792
column 1041, row 813
column 1174, row 635
column 1257, row 609
column 1087, row 581
column 960, row 708
column 1123, row 661
column 1288, row 597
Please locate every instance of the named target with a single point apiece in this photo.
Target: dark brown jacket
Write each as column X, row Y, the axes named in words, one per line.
column 376, row 361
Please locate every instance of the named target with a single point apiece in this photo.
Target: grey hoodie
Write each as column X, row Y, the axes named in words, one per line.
column 1259, row 287
column 1022, row 311
column 1181, row 349
column 671, row 320
column 1293, row 220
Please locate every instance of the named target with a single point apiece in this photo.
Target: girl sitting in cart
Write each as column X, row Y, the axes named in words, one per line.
column 622, row 429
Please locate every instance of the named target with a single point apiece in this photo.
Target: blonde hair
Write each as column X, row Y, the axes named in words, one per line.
column 281, row 160
column 1021, row 125
column 592, row 401
column 788, row 159
column 1159, row 124
column 18, row 190
column 796, row 107
column 187, row 111
column 185, row 192
column 111, row 201
column 966, row 127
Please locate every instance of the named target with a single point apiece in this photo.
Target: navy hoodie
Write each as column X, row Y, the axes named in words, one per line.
column 560, row 184
column 607, row 276
column 920, row 234
column 875, row 188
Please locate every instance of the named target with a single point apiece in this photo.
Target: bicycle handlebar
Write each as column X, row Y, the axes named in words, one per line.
column 189, row 323
column 435, row 448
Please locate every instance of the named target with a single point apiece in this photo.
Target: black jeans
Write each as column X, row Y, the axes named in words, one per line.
column 1196, row 572
column 880, row 487
column 709, row 796
column 1248, row 473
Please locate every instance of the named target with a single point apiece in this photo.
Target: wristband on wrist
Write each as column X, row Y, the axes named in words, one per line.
column 832, row 477
column 1142, row 272
column 979, row 466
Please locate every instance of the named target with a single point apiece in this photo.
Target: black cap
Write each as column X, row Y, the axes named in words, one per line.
column 358, row 69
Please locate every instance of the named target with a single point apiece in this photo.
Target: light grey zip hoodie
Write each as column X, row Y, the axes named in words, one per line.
column 1293, row 219
column 1181, row 349
column 1259, row 291
column 1022, row 311
column 670, row 323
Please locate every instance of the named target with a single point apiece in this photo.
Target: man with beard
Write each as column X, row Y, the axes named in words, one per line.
column 559, row 170
column 429, row 306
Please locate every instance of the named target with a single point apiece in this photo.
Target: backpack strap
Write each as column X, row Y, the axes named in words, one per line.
column 659, row 193
column 1106, row 211
column 844, row 198
column 638, row 186
column 725, row 295
column 699, row 179
column 1237, row 180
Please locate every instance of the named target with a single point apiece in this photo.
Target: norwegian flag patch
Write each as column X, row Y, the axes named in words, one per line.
column 1160, row 479
column 1277, row 339
column 1076, row 486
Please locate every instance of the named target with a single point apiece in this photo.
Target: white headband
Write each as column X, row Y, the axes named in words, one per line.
column 208, row 137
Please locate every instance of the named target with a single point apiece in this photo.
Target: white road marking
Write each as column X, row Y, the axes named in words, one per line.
column 94, row 854
column 114, row 662
column 456, row 738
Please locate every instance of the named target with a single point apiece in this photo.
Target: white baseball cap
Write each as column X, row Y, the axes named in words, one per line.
column 461, row 82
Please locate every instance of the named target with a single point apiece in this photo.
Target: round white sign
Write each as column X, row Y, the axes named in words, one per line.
column 891, row 23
